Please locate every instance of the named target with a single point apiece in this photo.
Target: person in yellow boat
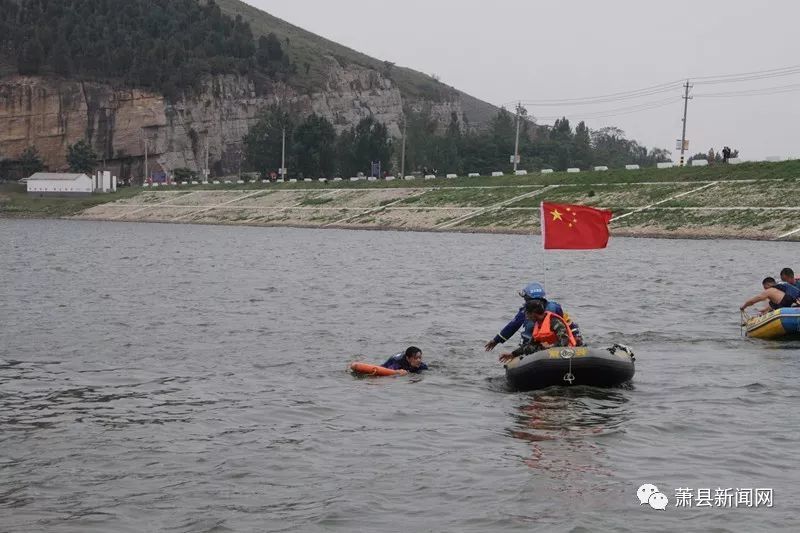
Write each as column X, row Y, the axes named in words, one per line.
column 549, row 329
column 787, row 276
column 777, row 296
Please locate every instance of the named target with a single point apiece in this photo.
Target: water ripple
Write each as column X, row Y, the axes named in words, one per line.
column 193, row 378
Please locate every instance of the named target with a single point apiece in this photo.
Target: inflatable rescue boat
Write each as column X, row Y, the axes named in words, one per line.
column 581, row 365
column 778, row 324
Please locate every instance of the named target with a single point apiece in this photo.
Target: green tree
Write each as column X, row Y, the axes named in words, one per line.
column 31, row 57
column 30, row 161
column 166, row 45
column 263, row 144
column 314, row 147
column 60, row 58
column 659, row 155
column 503, row 131
column 562, row 144
column 610, row 146
column 81, row 157
column 582, row 142
column 345, row 153
column 480, row 153
column 421, row 139
column 561, row 130
column 184, row 174
column 370, row 142
column 269, row 52
column 451, row 156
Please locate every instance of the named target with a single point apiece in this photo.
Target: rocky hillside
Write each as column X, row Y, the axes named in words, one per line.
column 319, row 54
column 51, row 107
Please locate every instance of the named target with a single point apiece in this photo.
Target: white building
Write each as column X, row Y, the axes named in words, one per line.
column 51, row 184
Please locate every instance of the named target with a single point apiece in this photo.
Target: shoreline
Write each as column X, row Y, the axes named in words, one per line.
column 672, row 235
column 754, row 202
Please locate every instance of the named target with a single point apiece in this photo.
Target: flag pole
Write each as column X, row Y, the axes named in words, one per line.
column 544, row 272
column 544, row 264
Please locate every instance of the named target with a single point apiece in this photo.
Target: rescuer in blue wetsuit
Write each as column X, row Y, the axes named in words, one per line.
column 777, row 296
column 532, row 291
column 787, row 276
column 410, row 361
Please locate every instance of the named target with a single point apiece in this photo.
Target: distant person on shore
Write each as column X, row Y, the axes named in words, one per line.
column 549, row 329
column 776, row 295
column 531, row 292
column 409, row 362
column 787, row 276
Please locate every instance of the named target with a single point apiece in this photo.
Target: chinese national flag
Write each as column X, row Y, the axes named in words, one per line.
column 574, row 227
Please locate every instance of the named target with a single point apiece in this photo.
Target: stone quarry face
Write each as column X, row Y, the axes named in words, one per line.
column 52, row 113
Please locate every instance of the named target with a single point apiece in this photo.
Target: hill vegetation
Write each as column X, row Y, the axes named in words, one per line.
column 170, row 45
column 312, row 54
column 165, row 45
column 314, row 149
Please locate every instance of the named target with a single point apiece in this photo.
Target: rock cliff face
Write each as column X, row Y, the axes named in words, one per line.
column 121, row 124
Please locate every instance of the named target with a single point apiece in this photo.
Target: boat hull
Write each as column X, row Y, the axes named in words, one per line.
column 597, row 367
column 778, row 324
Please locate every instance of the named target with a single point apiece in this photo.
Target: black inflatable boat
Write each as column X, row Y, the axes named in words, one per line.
column 599, row 367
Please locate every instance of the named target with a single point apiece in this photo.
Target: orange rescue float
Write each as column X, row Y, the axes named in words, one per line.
column 372, row 370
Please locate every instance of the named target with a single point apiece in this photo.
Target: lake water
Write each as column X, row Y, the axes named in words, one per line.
column 193, row 378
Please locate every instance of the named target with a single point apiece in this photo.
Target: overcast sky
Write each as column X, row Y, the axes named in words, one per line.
column 503, row 51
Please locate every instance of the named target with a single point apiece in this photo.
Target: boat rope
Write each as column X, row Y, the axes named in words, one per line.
column 745, row 319
column 567, row 353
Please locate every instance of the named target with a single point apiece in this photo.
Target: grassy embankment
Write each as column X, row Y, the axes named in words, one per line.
column 15, row 202
column 756, row 200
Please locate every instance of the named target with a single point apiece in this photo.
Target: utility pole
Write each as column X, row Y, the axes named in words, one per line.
column 516, row 142
column 283, row 155
column 239, row 155
column 206, row 172
column 284, row 120
column 403, row 151
column 106, row 137
column 686, row 99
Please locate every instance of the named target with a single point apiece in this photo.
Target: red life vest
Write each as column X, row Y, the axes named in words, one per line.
column 543, row 333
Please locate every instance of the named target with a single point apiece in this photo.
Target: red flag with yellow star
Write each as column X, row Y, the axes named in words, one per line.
column 574, row 227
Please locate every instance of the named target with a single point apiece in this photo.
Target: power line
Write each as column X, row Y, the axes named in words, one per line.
column 647, row 106
column 667, row 89
column 764, row 91
column 765, row 73
column 617, row 111
column 664, row 87
column 750, row 78
column 612, row 97
column 660, row 89
column 606, row 113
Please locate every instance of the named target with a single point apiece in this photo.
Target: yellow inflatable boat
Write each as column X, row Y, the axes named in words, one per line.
column 778, row 324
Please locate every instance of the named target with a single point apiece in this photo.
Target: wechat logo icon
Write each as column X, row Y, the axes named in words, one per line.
column 649, row 494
